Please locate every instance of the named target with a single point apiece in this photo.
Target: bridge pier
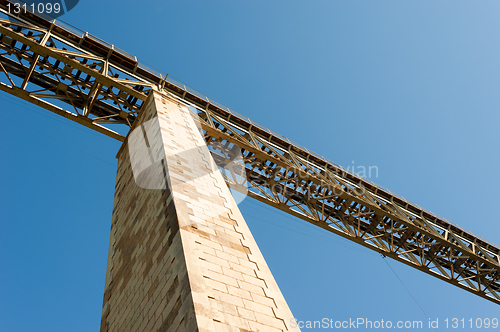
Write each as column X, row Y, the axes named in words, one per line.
column 181, row 257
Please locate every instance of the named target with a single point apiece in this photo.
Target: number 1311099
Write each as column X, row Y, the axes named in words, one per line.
column 44, row 8
column 479, row 323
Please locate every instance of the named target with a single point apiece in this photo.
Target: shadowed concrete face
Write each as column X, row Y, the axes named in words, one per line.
column 181, row 256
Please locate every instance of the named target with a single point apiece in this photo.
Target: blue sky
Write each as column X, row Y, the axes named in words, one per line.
column 408, row 86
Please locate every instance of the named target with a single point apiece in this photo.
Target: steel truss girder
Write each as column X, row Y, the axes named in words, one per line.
column 56, row 64
column 39, row 56
column 329, row 198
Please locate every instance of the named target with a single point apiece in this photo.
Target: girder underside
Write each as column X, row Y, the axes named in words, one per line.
column 89, row 81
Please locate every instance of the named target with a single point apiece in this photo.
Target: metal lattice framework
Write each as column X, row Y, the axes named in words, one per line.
column 85, row 79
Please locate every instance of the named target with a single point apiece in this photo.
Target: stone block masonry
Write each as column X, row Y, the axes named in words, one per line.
column 181, row 257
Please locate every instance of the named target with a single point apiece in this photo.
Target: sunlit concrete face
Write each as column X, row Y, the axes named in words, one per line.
column 181, row 257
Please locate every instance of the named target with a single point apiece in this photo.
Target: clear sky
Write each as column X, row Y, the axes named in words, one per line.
column 411, row 87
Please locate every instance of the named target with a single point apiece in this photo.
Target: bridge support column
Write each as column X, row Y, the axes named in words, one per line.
column 181, row 257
